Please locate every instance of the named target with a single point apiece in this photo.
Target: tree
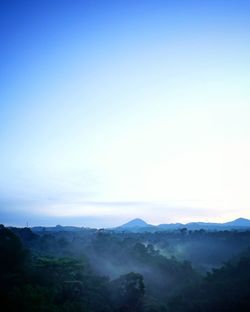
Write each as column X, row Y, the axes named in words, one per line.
column 128, row 292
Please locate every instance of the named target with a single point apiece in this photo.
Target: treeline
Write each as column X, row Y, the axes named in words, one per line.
column 98, row 271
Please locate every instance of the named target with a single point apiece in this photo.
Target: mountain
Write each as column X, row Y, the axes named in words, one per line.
column 238, row 222
column 135, row 226
column 135, row 223
column 170, row 226
column 138, row 225
column 57, row 228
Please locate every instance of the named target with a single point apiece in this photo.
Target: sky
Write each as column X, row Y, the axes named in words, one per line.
column 112, row 110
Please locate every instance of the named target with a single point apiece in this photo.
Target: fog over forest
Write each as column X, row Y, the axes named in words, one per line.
column 83, row 269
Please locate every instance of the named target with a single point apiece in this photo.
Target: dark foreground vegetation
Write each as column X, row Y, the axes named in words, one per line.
column 104, row 271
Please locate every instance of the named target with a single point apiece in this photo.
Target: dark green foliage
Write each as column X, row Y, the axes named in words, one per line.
column 127, row 292
column 224, row 289
column 102, row 271
column 46, row 283
column 11, row 250
column 13, row 259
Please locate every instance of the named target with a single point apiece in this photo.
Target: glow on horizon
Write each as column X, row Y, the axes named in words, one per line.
column 125, row 110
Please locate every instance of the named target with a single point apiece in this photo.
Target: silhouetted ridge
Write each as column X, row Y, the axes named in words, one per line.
column 239, row 222
column 139, row 225
column 135, row 223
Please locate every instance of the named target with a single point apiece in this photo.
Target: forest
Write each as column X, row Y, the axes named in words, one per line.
column 106, row 271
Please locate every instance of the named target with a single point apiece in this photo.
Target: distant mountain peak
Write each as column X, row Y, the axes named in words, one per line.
column 135, row 223
column 241, row 219
column 239, row 222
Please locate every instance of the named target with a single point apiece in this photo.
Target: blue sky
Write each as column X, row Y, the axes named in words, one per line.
column 118, row 109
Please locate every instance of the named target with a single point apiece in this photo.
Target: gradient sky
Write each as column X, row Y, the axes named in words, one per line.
column 111, row 110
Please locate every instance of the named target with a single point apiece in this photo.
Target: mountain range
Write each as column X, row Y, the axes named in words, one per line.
column 139, row 225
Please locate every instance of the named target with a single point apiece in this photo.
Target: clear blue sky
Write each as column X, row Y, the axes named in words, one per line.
column 118, row 109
